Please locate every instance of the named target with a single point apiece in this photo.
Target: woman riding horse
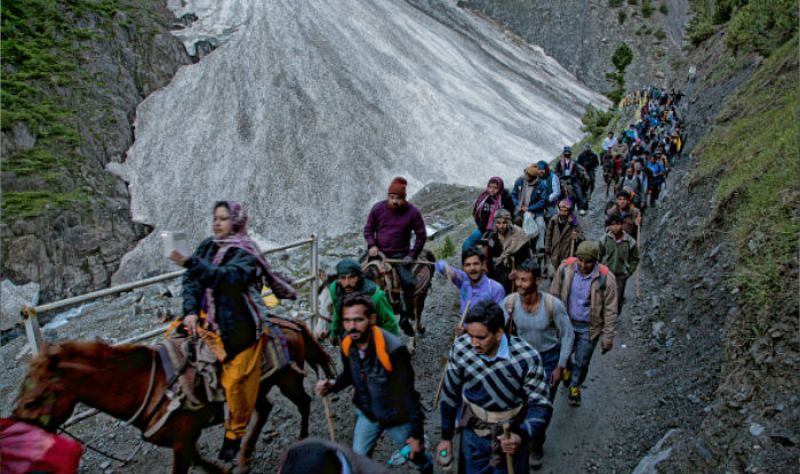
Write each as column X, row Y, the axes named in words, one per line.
column 222, row 285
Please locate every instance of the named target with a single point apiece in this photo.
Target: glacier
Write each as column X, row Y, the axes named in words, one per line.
column 306, row 110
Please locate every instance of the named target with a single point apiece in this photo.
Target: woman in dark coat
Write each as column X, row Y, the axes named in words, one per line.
column 494, row 198
column 221, row 293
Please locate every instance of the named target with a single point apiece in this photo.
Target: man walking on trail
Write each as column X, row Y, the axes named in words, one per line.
column 564, row 233
column 631, row 217
column 350, row 279
column 589, row 291
column 609, row 142
column 530, row 195
column 473, row 284
column 388, row 231
column 619, row 252
column 590, row 161
column 553, row 187
column 657, row 173
column 507, row 245
column 496, row 379
column 542, row 321
column 572, row 176
column 378, row 366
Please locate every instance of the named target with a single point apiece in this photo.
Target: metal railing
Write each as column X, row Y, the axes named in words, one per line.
column 30, row 315
column 31, row 319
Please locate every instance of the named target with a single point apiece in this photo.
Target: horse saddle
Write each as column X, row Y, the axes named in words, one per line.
column 192, row 365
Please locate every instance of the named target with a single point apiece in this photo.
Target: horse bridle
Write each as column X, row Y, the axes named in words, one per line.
column 149, row 392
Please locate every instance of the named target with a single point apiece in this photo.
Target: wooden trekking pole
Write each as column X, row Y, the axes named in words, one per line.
column 639, row 243
column 509, row 457
column 444, row 372
column 327, row 408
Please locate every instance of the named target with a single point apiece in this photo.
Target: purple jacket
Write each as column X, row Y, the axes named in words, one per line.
column 390, row 230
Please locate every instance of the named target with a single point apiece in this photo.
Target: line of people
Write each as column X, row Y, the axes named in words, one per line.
column 516, row 343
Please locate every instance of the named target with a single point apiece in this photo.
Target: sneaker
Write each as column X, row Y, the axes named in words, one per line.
column 230, row 448
column 566, row 375
column 535, row 457
column 574, row 396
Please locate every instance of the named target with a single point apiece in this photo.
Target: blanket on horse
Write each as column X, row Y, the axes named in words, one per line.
column 192, row 365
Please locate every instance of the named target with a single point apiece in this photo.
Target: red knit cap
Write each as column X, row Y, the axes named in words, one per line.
column 398, row 186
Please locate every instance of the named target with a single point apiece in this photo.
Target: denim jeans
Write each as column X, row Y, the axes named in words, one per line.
column 476, row 452
column 367, row 432
column 550, row 361
column 582, row 353
column 472, row 239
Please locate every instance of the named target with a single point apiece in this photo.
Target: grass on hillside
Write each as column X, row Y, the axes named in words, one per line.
column 43, row 86
column 753, row 153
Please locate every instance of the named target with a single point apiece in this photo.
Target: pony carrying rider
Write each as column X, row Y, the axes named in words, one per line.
column 221, row 294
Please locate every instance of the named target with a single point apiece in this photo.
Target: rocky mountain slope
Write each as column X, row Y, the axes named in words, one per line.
column 73, row 74
column 583, row 34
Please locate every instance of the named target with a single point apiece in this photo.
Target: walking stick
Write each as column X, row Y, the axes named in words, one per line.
column 327, row 408
column 444, row 372
column 639, row 243
column 416, row 262
column 509, row 458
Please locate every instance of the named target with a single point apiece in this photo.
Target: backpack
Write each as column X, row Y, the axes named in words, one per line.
column 548, row 309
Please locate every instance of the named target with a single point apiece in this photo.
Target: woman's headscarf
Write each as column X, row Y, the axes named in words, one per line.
column 241, row 239
column 497, row 201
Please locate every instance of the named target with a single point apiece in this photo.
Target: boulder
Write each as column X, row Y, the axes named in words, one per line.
column 12, row 298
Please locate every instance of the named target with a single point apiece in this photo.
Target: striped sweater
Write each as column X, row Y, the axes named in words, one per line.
column 499, row 385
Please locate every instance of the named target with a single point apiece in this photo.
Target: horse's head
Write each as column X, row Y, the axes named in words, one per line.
column 59, row 377
column 42, row 399
column 376, row 271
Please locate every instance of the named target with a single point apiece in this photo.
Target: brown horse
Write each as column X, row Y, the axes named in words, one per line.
column 128, row 382
column 381, row 273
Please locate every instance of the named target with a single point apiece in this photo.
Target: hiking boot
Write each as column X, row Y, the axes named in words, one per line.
column 575, row 396
column 566, row 375
column 230, row 448
column 535, row 457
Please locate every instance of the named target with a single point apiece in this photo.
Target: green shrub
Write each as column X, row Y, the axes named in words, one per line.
column 448, row 249
column 621, row 16
column 633, row 2
column 647, row 8
column 595, row 121
column 723, row 10
column 660, row 35
column 614, row 3
column 622, row 57
column 761, row 25
column 664, row 9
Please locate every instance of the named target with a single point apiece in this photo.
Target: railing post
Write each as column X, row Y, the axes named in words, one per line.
column 32, row 328
column 314, row 280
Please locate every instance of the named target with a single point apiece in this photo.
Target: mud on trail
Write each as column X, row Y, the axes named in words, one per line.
column 615, row 426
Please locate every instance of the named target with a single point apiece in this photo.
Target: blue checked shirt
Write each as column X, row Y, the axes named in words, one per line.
column 501, row 384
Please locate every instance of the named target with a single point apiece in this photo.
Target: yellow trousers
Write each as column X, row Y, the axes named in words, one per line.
column 240, row 380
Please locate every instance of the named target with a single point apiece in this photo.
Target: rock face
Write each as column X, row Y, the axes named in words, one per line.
column 583, row 34
column 307, row 111
column 76, row 250
column 12, row 298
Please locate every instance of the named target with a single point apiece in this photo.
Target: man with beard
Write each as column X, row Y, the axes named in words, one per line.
column 473, row 284
column 388, row 231
column 492, row 379
column 350, row 279
column 572, row 177
column 589, row 292
column 540, row 320
column 378, row 366
column 508, row 245
column 564, row 233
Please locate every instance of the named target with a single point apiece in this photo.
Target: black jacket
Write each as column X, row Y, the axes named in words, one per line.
column 589, row 160
column 235, row 288
column 386, row 397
